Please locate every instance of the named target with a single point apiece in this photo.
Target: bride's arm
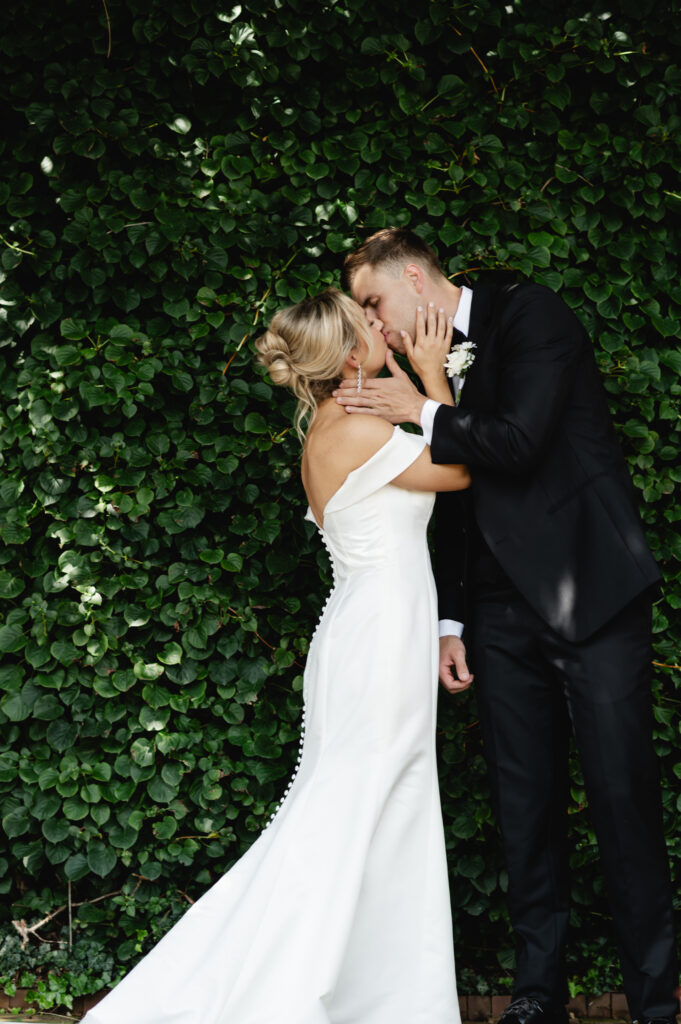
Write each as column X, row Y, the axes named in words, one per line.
column 360, row 437
column 356, row 439
column 425, row 475
column 427, row 353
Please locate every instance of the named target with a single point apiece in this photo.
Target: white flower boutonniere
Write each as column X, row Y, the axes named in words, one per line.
column 460, row 359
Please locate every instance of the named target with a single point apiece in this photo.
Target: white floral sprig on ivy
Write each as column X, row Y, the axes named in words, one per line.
column 460, row 359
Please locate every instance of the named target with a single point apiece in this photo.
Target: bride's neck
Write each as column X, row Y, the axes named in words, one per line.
column 329, row 407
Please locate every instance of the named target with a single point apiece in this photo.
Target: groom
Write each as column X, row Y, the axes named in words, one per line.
column 546, row 563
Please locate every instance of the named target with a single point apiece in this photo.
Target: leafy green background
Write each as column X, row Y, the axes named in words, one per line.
column 164, row 189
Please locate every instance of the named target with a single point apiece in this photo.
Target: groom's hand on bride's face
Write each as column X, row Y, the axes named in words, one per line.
column 394, row 398
column 454, row 674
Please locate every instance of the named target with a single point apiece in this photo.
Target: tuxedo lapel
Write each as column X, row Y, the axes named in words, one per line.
column 478, row 331
column 486, row 306
column 458, row 337
column 482, row 305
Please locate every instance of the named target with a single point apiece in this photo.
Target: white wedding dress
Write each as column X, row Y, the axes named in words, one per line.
column 339, row 913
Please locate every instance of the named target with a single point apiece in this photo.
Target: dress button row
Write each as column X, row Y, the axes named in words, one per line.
column 304, row 713
column 295, row 771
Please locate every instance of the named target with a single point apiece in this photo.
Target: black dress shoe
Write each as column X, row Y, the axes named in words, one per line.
column 527, row 1010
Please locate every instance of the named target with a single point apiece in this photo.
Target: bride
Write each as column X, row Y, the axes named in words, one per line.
column 339, row 913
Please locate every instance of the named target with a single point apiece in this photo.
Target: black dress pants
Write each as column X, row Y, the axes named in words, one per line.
column 532, row 686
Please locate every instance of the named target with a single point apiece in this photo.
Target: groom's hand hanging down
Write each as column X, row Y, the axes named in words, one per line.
column 394, row 398
column 454, row 674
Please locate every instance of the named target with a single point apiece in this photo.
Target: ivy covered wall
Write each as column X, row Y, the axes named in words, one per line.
column 173, row 172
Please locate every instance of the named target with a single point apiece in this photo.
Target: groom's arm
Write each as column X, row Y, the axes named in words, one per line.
column 451, row 524
column 448, row 556
column 539, row 351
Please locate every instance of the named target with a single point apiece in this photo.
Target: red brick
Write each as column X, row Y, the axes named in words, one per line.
column 499, row 1004
column 92, row 1000
column 577, row 1006
column 19, row 999
column 479, row 1008
column 620, row 1009
column 599, row 1006
column 463, row 1007
column 4, row 1001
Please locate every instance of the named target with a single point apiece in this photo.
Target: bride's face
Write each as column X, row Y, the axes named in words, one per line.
column 373, row 358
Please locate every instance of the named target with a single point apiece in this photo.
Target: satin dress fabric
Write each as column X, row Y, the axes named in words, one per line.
column 339, row 913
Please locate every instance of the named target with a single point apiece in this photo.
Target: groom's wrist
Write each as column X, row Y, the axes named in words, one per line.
column 450, row 627
column 417, row 408
column 428, row 410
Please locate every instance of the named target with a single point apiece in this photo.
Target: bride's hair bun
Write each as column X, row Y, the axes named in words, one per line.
column 306, row 346
column 275, row 356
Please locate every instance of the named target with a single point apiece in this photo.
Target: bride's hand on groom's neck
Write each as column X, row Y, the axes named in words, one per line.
column 429, row 349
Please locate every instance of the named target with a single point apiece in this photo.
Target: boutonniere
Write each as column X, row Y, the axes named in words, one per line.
column 460, row 359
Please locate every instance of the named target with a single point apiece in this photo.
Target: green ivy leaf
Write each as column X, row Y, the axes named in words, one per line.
column 160, row 792
column 101, row 859
column 12, row 638
column 76, row 867
column 61, row 735
column 147, row 670
column 16, row 823
column 255, row 423
column 14, row 707
column 171, row 654
column 55, row 830
column 74, row 330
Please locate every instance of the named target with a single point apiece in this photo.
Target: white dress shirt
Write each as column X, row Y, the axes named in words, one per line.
column 462, row 319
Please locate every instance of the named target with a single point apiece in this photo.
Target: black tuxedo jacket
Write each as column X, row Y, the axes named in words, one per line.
column 551, row 494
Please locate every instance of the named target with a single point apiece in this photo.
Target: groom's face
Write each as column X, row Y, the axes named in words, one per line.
column 389, row 297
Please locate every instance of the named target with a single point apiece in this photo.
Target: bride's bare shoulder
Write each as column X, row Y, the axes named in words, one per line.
column 351, row 438
column 364, row 430
column 335, row 446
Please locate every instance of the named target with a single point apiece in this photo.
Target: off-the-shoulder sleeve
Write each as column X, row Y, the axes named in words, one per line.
column 396, row 455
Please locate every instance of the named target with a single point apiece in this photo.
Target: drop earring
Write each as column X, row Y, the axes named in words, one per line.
column 359, row 378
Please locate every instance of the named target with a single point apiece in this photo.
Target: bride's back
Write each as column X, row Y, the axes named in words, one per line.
column 336, row 444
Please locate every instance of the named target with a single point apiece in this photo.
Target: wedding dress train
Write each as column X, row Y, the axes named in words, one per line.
column 339, row 913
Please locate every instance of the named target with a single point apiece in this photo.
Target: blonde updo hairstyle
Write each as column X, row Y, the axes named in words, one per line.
column 305, row 348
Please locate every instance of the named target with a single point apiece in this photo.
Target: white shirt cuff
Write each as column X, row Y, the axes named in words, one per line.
column 428, row 417
column 449, row 627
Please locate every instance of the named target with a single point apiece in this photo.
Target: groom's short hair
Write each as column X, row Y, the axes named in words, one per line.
column 390, row 247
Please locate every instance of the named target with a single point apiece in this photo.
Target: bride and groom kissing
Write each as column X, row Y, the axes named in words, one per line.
column 543, row 585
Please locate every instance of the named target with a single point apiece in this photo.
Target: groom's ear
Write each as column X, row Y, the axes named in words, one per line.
column 413, row 274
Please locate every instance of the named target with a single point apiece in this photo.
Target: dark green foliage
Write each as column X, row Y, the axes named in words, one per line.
column 158, row 584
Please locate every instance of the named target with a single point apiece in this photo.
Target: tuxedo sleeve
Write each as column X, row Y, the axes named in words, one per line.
column 449, row 553
column 540, row 343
